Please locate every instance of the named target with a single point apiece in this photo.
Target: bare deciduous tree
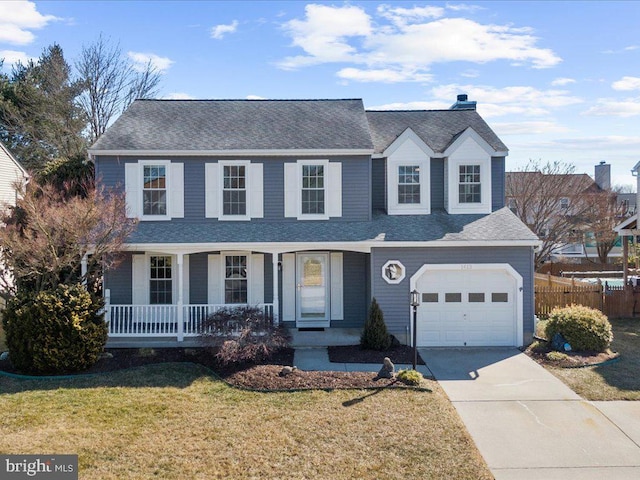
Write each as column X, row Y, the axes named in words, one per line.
column 552, row 201
column 48, row 233
column 111, row 83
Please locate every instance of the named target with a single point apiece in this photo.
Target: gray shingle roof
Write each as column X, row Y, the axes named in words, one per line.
column 501, row 225
column 192, row 125
column 436, row 128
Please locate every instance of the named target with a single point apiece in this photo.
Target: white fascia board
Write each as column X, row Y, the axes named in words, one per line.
column 635, row 169
column 285, row 247
column 236, row 153
column 471, row 133
column 408, row 134
column 625, row 225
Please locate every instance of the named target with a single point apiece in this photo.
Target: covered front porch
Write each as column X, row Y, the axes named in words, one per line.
column 164, row 294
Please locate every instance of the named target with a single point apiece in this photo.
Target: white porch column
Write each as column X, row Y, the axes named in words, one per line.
column 276, row 300
column 180, row 258
column 83, row 269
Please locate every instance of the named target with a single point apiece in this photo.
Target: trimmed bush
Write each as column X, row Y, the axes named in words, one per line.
column 375, row 335
column 242, row 334
column 584, row 328
column 55, row 331
column 409, row 377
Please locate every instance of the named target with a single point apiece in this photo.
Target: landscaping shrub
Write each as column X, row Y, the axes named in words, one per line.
column 557, row 356
column 375, row 335
column 54, row 331
column 409, row 377
column 242, row 334
column 584, row 328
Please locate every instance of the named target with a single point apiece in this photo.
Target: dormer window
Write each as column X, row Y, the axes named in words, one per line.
column 313, row 190
column 469, row 185
column 154, row 190
column 408, row 184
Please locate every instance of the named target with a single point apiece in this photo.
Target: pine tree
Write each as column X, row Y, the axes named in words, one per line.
column 375, row 335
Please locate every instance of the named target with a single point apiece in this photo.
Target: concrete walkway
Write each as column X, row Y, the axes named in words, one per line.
column 317, row 358
column 528, row 425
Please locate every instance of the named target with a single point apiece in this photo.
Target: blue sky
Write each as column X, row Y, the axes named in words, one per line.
column 555, row 80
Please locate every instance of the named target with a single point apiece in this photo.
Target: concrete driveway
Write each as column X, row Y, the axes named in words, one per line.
column 527, row 424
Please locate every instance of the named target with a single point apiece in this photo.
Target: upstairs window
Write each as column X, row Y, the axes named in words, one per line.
column 469, row 184
column 154, row 190
column 313, row 190
column 234, row 190
column 235, row 279
column 408, row 184
column 564, row 203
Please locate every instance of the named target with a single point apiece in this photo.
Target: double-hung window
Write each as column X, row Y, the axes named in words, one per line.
column 408, row 184
column 234, row 190
column 235, row 279
column 160, row 280
column 469, row 184
column 313, row 190
column 154, row 190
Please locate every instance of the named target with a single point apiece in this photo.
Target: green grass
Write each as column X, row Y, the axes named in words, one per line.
column 615, row 381
column 176, row 421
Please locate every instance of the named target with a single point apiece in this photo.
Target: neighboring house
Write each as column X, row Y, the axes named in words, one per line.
column 309, row 209
column 576, row 190
column 628, row 229
column 10, row 172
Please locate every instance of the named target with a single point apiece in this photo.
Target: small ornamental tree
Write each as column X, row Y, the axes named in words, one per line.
column 375, row 335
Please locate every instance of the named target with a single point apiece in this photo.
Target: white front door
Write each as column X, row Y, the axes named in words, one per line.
column 312, row 290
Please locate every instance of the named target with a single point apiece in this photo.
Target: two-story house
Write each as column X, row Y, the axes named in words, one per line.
column 309, row 209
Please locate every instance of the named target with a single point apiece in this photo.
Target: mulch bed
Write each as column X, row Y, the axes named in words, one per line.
column 570, row 359
column 265, row 376
column 355, row 354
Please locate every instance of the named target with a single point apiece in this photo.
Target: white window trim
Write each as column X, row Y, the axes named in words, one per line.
column 223, row 278
column 419, row 155
column 167, row 168
column 174, row 276
column 454, row 204
column 247, row 178
column 312, row 216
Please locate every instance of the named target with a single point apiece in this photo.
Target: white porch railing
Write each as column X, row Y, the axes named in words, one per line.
column 163, row 320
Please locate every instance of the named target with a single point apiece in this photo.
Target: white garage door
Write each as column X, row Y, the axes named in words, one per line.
column 471, row 307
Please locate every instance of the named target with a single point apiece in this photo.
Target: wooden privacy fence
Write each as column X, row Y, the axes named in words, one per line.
column 615, row 302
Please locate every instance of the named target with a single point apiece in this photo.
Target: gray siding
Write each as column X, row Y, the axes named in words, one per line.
column 497, row 183
column 119, row 281
column 356, row 185
column 394, row 299
column 198, row 272
column 355, row 282
column 437, row 184
column 379, row 184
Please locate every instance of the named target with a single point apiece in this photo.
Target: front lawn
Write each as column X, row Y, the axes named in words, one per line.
column 177, row 421
column 615, row 381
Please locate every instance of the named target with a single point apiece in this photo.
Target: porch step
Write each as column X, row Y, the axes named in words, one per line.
column 326, row 338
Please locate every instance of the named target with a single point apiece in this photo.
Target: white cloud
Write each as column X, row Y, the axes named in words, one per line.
column 11, row 57
column 627, row 83
column 520, row 100
column 402, row 16
column 471, row 73
column 616, row 108
column 463, row 7
column 406, row 39
column 528, row 128
column 559, row 82
column 631, row 47
column 141, row 60
column 433, row 105
column 18, row 18
column 178, row 96
column 219, row 31
column 385, row 75
column 255, row 97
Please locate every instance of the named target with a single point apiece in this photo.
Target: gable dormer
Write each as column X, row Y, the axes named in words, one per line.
column 408, row 175
column 467, row 174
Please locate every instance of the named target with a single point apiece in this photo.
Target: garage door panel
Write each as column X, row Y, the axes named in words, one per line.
column 473, row 307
